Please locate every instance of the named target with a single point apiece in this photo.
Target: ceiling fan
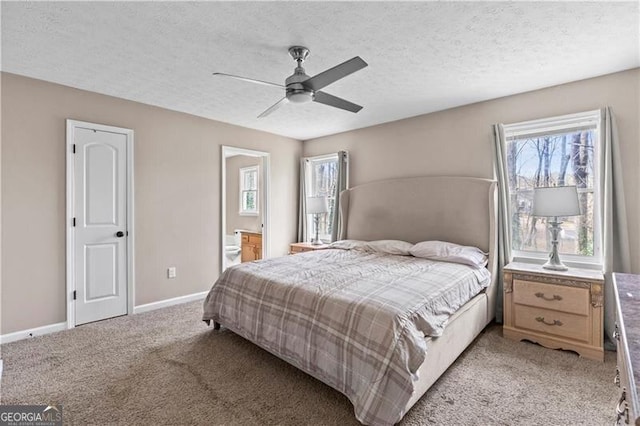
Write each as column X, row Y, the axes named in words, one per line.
column 300, row 88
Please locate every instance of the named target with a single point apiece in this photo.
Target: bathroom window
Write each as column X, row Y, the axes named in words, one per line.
column 249, row 191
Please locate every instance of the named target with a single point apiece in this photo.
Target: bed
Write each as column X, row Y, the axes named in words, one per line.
column 359, row 321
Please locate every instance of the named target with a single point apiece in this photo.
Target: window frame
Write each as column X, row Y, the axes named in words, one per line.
column 243, row 190
column 310, row 192
column 565, row 124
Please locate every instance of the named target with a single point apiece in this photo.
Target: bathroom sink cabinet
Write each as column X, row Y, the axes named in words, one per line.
column 251, row 244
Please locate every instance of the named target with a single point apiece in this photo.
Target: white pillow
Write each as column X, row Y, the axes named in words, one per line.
column 389, row 247
column 379, row 246
column 348, row 244
column 450, row 252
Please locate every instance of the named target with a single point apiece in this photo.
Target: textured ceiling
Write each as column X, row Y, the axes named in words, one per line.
column 423, row 56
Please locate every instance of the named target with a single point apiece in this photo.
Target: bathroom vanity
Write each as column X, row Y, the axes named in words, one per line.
column 251, row 245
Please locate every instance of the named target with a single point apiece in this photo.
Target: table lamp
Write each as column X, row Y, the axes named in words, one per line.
column 317, row 206
column 555, row 202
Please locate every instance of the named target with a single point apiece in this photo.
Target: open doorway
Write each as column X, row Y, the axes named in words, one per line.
column 244, row 207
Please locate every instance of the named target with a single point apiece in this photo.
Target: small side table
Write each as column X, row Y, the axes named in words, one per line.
column 302, row 247
column 557, row 309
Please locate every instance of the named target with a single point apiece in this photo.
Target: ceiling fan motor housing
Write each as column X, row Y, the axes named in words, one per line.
column 296, row 91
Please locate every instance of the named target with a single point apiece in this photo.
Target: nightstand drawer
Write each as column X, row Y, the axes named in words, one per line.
column 549, row 296
column 300, row 249
column 552, row 322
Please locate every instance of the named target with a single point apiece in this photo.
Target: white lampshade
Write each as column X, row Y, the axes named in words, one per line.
column 556, row 201
column 317, row 205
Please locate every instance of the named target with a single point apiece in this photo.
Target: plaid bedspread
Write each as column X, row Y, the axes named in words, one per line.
column 352, row 319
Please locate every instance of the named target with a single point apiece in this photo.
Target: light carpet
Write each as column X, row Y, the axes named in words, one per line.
column 168, row 367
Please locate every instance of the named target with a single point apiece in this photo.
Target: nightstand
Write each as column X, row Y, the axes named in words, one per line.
column 302, row 247
column 557, row 309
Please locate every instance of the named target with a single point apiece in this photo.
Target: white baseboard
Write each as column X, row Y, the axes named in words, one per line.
column 32, row 332
column 169, row 302
column 52, row 328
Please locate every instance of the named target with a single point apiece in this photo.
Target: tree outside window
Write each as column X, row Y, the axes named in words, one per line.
column 249, row 190
column 554, row 153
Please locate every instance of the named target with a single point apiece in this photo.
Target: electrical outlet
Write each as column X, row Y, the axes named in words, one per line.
column 171, row 272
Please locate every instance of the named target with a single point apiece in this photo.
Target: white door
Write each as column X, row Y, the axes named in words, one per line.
column 100, row 211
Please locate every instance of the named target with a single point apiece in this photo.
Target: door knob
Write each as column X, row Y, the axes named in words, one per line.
column 119, row 234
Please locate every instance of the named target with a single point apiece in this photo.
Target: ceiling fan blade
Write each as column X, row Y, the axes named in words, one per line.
column 274, row 107
column 331, row 75
column 250, row 80
column 334, row 101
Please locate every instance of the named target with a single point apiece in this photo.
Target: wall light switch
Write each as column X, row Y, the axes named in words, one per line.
column 171, row 272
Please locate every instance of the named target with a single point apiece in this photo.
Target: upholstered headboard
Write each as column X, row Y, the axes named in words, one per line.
column 460, row 210
column 455, row 209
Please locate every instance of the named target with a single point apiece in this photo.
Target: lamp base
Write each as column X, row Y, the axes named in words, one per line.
column 555, row 267
column 554, row 263
column 316, row 241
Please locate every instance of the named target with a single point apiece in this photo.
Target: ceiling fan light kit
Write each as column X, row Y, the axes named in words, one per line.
column 302, row 89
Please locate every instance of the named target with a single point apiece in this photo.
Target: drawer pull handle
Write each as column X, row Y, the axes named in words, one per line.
column 623, row 414
column 555, row 322
column 550, row 299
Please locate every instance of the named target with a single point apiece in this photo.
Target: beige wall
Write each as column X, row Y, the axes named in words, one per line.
column 177, row 177
column 459, row 141
column 233, row 218
column 177, row 193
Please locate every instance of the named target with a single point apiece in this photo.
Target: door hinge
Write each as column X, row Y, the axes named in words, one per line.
column 74, row 295
column 74, row 148
column 74, row 221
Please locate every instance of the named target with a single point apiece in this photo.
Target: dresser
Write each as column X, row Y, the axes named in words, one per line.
column 557, row 309
column 627, row 338
column 251, row 246
column 302, row 247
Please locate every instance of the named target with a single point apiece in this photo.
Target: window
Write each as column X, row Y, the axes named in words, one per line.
column 322, row 173
column 249, row 191
column 555, row 152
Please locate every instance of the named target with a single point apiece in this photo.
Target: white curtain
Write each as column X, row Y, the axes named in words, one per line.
column 341, row 185
column 615, row 239
column 302, row 204
column 504, row 226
